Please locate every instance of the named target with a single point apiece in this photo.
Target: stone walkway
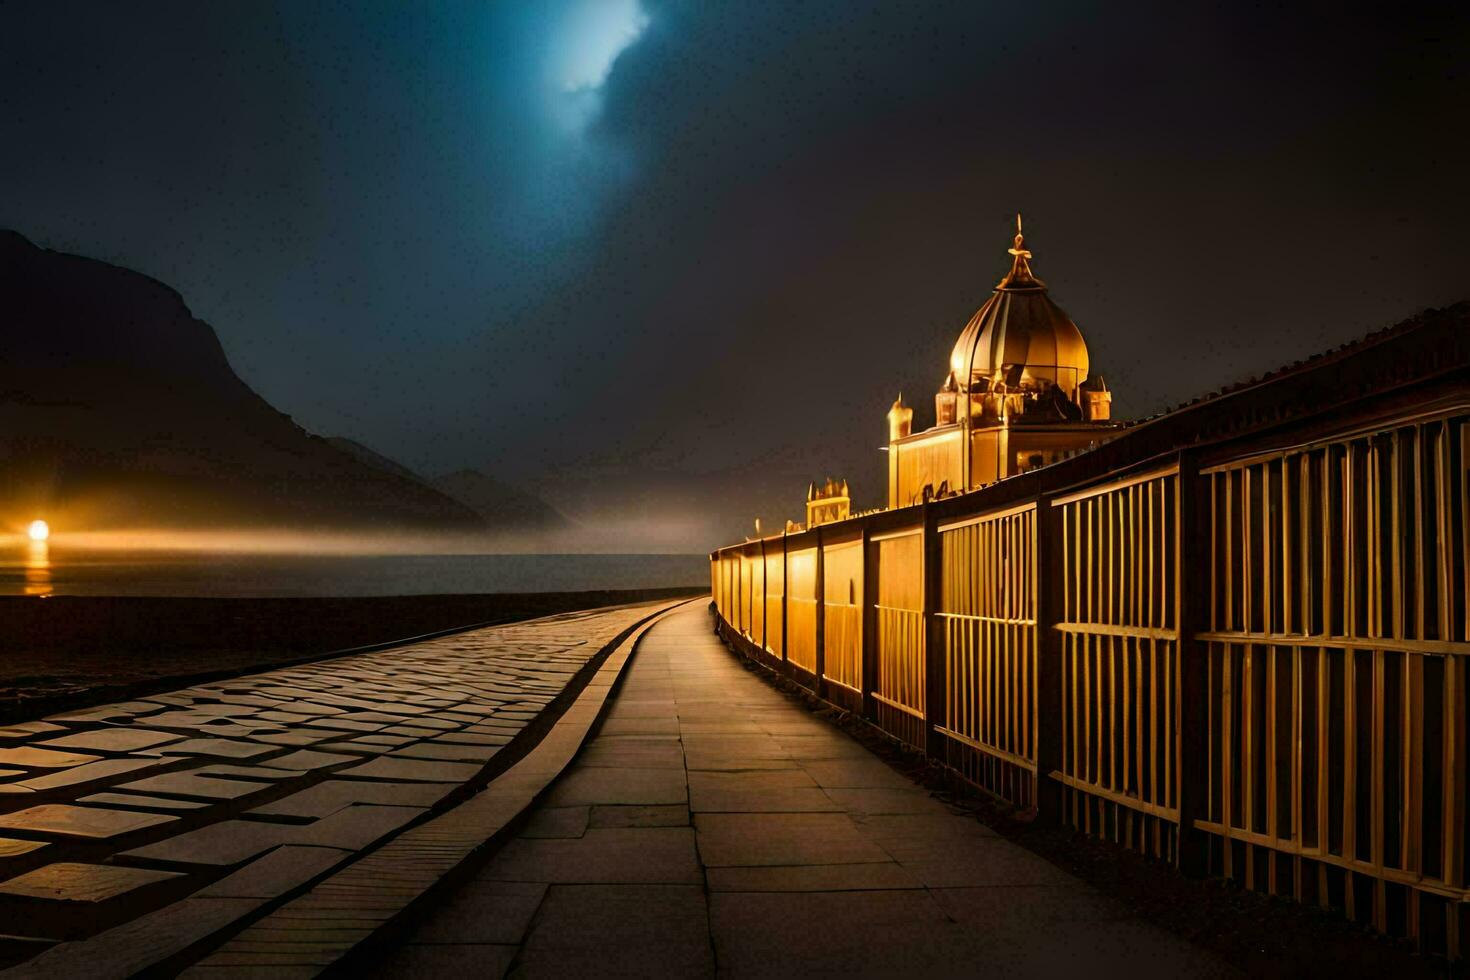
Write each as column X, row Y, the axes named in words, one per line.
column 227, row 796
column 713, row 826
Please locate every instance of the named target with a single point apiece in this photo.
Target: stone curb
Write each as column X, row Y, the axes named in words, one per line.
column 316, row 929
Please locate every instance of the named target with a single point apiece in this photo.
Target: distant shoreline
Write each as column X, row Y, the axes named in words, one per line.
column 68, row 652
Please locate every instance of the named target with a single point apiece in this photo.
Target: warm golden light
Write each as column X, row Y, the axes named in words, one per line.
column 38, row 531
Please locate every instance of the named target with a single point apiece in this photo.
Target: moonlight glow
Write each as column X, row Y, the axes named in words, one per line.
column 585, row 43
column 593, row 34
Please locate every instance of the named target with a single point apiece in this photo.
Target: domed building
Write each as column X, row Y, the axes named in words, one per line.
column 1017, row 395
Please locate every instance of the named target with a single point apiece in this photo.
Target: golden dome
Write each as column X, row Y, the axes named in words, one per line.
column 1020, row 336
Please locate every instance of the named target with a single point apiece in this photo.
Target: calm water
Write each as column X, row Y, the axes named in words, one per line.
column 41, row 571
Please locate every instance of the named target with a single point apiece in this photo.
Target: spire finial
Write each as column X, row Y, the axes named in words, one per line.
column 1019, row 250
column 1020, row 275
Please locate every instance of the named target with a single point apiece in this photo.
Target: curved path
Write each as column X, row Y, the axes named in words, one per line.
column 713, row 826
column 131, row 832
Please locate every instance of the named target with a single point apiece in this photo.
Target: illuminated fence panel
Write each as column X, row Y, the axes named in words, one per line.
column 801, row 608
column 842, row 611
column 742, row 612
column 1120, row 661
column 714, row 584
column 775, row 582
column 726, row 595
column 732, row 573
column 1337, row 650
column 757, row 598
column 988, row 611
column 898, row 562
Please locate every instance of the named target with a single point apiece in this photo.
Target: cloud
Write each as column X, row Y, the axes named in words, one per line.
column 586, row 38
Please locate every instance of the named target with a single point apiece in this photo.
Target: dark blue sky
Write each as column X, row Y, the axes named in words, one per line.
column 636, row 253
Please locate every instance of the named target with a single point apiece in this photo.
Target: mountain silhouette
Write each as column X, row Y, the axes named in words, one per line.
column 499, row 504
column 118, row 408
column 502, row 506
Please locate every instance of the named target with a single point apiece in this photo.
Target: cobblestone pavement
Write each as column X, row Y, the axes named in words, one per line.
column 243, row 790
column 713, row 826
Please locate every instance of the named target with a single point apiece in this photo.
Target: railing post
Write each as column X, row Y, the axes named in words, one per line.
column 784, row 667
column 869, row 619
column 935, row 682
column 1050, row 698
column 1193, row 607
column 760, row 641
column 819, row 683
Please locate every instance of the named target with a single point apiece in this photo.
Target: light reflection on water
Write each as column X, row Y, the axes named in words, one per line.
column 37, row 568
column 41, row 569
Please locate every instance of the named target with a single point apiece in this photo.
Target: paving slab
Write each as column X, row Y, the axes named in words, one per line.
column 861, row 934
column 278, row 872
column 464, row 738
column 192, row 784
column 142, row 802
column 628, row 753
column 447, row 752
column 727, row 839
column 762, row 791
column 611, row 856
column 71, row 882
column 413, row 770
column 256, row 773
column 326, row 798
column 496, row 912
column 355, row 827
column 675, row 815
column 558, row 821
column 91, row 772
column 33, row 758
column 65, row 820
column 623, row 786
column 112, row 740
column 620, row 931
column 812, row 878
column 308, row 759
column 222, row 747
column 135, row 946
column 11, row 847
column 886, row 801
column 640, row 726
column 962, row 862
column 855, row 774
column 226, row 843
column 477, row 960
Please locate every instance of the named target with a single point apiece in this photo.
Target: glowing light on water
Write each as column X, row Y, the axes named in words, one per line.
column 37, row 565
column 38, row 531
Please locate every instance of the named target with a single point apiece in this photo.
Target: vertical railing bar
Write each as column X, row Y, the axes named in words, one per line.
column 1350, row 665
column 1374, row 570
column 1420, row 605
column 1268, row 710
column 1454, row 695
column 1442, row 497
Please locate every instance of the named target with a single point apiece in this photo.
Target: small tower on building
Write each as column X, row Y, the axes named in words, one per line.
column 826, row 503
